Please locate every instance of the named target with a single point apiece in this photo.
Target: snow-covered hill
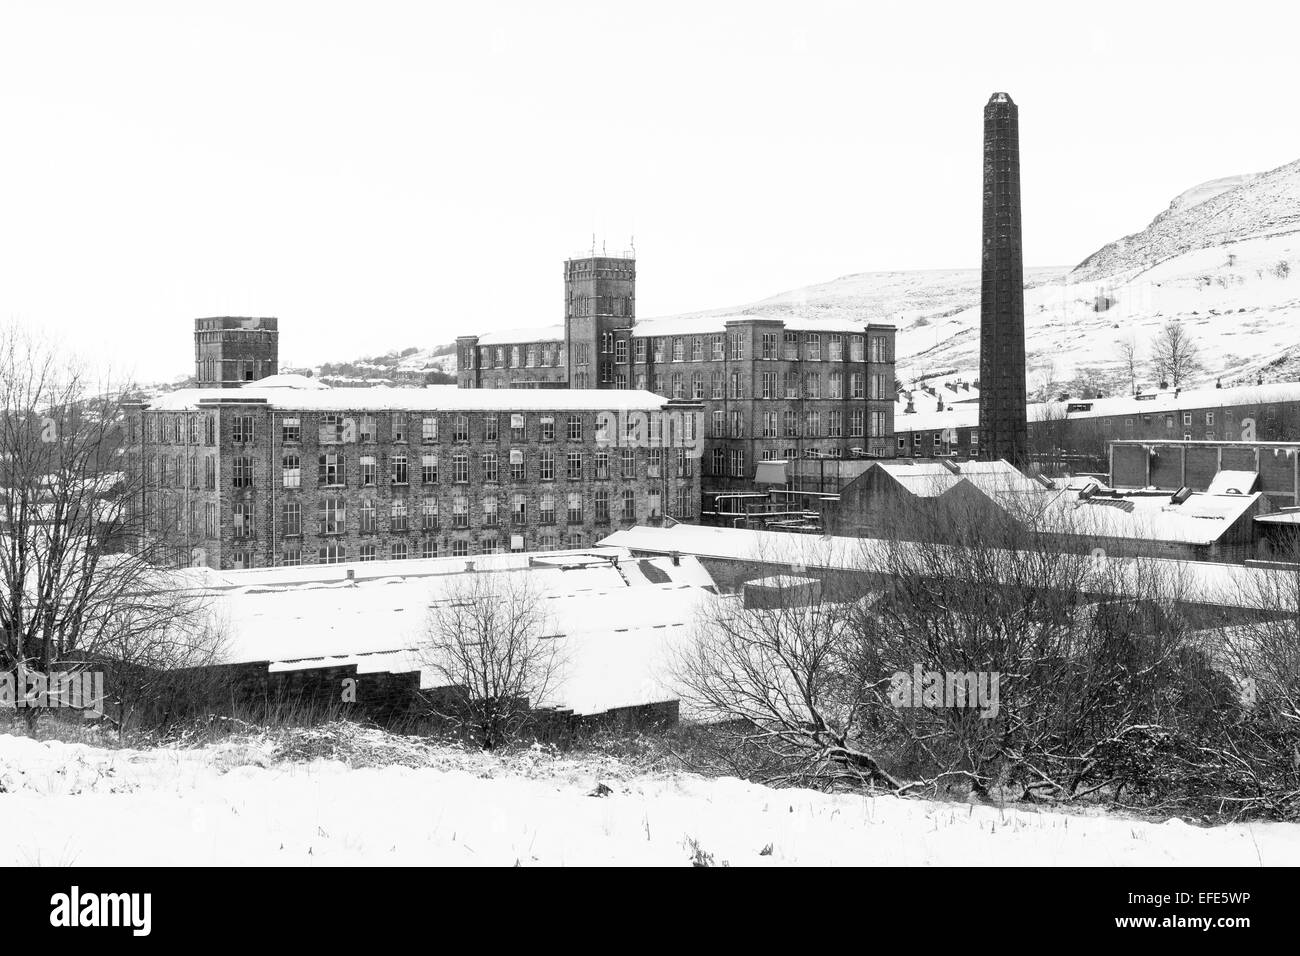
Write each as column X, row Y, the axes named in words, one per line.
column 241, row 803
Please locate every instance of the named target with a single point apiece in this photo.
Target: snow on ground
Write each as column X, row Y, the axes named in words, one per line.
column 235, row 804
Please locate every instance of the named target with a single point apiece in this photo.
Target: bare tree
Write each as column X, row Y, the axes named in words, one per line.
column 1130, row 361
column 1175, row 356
column 770, row 681
column 72, row 595
column 489, row 641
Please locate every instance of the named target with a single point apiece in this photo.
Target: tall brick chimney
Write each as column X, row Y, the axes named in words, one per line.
column 1003, row 431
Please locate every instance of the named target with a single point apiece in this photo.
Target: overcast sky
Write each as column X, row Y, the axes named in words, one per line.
column 387, row 174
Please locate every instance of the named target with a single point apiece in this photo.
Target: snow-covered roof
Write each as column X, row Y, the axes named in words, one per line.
column 288, row 380
column 541, row 333
column 706, row 324
column 927, row 479
column 1199, row 520
column 432, row 398
column 618, row 623
column 1224, row 585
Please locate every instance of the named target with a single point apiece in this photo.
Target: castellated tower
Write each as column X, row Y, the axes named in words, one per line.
column 232, row 350
column 599, row 310
column 1002, row 426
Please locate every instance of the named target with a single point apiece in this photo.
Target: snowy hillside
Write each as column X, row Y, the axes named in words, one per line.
column 409, row 366
column 243, row 803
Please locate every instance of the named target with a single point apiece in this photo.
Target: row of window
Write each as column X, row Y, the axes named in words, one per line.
column 811, row 424
column 400, row 515
column 332, row 468
column 191, row 429
column 813, row 347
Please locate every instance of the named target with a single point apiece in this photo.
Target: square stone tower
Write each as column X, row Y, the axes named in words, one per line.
column 1002, row 425
column 232, row 350
column 599, row 310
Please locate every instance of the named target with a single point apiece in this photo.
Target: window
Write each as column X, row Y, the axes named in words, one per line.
column 291, row 554
column 291, row 518
column 243, row 516
column 517, row 428
column 490, row 428
column 575, row 508
column 460, row 467
column 366, row 552
column 291, row 470
column 546, row 509
column 398, row 520
column 812, row 385
column 836, row 348
column 400, row 471
column 548, row 429
column 737, row 347
column 856, row 349
column 629, row 505
column 429, row 469
column 490, row 512
column 460, row 428
column 429, row 429
column 737, row 389
column 575, row 428
column 770, row 425
column 767, row 386
column 879, row 352
column 679, row 349
column 1187, row 418
column 1209, row 420
column 620, row 351
column 329, row 429
column 333, row 552
column 877, row 424
column 834, row 424
column 489, row 462
column 332, row 516
column 602, row 505
column 290, row 431
column 639, row 349
column 813, row 347
column 241, row 429
column 241, row 472
column 573, row 465
column 459, row 548
column 546, row 465
column 328, row 469
column 368, row 429
column 519, row 510
column 697, row 385
column 429, row 514
column 836, row 386
column 428, row 548
column 460, row 512
column 697, row 349
column 397, row 551
column 602, row 463
column 768, row 349
column 368, row 471
column 367, row 516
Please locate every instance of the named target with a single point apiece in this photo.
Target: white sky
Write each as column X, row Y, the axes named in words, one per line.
column 387, row 174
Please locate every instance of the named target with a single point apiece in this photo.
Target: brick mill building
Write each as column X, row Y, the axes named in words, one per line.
column 770, row 388
column 287, row 471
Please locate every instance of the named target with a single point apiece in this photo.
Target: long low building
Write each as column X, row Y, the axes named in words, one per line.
column 617, row 620
column 1082, row 427
column 286, row 471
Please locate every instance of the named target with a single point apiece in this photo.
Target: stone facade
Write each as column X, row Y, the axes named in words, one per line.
column 262, row 477
column 231, row 350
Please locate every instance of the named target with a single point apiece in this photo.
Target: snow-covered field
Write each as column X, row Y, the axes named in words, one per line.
column 239, row 803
